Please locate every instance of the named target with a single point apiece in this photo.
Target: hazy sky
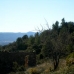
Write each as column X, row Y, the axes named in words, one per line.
column 26, row 15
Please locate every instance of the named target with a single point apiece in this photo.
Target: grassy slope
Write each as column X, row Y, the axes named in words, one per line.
column 47, row 68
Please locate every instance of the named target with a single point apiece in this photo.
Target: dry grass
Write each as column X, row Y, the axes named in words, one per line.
column 42, row 68
column 47, row 68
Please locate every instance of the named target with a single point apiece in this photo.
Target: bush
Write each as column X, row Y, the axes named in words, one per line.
column 21, row 68
column 16, row 67
column 70, row 59
column 70, row 70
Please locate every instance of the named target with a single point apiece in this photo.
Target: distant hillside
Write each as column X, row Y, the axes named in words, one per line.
column 9, row 37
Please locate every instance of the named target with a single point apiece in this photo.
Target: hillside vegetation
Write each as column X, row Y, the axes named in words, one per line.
column 9, row 37
column 54, row 44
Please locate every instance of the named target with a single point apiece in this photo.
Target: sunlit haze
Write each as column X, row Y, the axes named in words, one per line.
column 26, row 15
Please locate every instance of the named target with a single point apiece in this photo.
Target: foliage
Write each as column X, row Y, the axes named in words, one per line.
column 54, row 43
column 16, row 67
column 70, row 59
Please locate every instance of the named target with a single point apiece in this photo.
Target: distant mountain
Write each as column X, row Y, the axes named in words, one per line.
column 9, row 37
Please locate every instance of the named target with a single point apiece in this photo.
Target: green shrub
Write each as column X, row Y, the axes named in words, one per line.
column 70, row 70
column 21, row 68
column 70, row 59
column 17, row 67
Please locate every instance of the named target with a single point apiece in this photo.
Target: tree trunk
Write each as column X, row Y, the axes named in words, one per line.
column 55, row 61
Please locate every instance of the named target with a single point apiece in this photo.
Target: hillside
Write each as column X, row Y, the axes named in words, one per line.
column 51, row 44
column 9, row 37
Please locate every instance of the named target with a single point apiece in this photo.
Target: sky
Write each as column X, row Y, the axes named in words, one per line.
column 28, row 15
